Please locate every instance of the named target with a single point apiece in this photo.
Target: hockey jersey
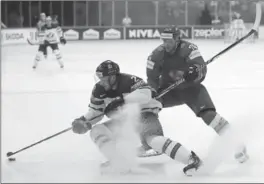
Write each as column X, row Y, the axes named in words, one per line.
column 50, row 33
column 163, row 66
column 132, row 88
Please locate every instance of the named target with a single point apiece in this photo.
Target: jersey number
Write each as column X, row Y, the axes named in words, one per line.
column 134, row 78
column 193, row 47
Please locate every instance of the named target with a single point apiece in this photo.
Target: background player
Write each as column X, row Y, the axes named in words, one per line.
column 237, row 27
column 55, row 20
column 52, row 36
column 40, row 30
column 113, row 91
column 176, row 59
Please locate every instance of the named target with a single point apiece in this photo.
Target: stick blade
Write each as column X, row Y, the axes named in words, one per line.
column 8, row 154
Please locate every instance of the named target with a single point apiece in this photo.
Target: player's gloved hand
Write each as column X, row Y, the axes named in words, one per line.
column 194, row 73
column 113, row 106
column 81, row 125
column 62, row 40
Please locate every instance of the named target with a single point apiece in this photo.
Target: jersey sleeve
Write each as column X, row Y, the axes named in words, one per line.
column 39, row 25
column 59, row 31
column 193, row 56
column 154, row 67
column 41, row 31
column 96, row 105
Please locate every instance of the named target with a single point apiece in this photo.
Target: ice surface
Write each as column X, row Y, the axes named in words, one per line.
column 37, row 104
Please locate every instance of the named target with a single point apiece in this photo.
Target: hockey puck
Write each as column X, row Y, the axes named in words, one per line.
column 12, row 159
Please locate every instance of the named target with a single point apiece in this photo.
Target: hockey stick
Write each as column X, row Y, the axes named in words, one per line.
column 47, row 138
column 37, row 43
column 253, row 30
column 32, row 43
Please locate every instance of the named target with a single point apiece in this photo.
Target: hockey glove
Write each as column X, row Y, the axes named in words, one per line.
column 80, row 125
column 194, row 73
column 62, row 40
column 113, row 106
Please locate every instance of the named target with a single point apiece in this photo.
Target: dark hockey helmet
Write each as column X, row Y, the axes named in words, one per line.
column 171, row 32
column 107, row 68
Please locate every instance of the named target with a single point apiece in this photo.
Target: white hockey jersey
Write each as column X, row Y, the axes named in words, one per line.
column 132, row 88
column 51, row 34
column 238, row 24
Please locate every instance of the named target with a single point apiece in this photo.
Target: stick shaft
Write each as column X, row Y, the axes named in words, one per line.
column 47, row 138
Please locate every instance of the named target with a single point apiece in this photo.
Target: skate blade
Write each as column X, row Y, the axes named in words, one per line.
column 191, row 172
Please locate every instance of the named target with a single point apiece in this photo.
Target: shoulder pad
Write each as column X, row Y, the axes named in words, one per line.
column 54, row 25
column 187, row 48
column 160, row 48
column 130, row 77
column 157, row 54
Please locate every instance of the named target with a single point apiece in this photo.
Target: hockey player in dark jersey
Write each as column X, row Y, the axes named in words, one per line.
column 176, row 59
column 114, row 91
column 52, row 35
column 55, row 20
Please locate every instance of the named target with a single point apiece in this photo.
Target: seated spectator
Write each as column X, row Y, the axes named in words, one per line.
column 126, row 21
column 206, row 18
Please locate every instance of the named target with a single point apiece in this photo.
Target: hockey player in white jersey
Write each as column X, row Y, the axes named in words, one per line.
column 41, row 31
column 113, row 92
column 237, row 27
column 51, row 36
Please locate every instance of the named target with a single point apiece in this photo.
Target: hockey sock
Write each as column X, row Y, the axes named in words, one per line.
column 219, row 124
column 171, row 148
column 37, row 59
column 58, row 57
column 224, row 144
column 107, row 144
column 214, row 120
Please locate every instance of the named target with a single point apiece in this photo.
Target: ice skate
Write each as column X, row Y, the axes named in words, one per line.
column 194, row 164
column 241, row 154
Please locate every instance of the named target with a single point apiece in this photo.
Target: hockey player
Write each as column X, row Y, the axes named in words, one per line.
column 114, row 90
column 40, row 30
column 237, row 27
column 52, row 36
column 55, row 20
column 176, row 59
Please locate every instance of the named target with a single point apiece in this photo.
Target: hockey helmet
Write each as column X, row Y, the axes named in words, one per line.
column 171, row 32
column 107, row 68
column 42, row 16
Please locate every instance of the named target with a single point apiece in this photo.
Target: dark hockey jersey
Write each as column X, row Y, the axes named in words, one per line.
column 132, row 88
column 161, row 65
